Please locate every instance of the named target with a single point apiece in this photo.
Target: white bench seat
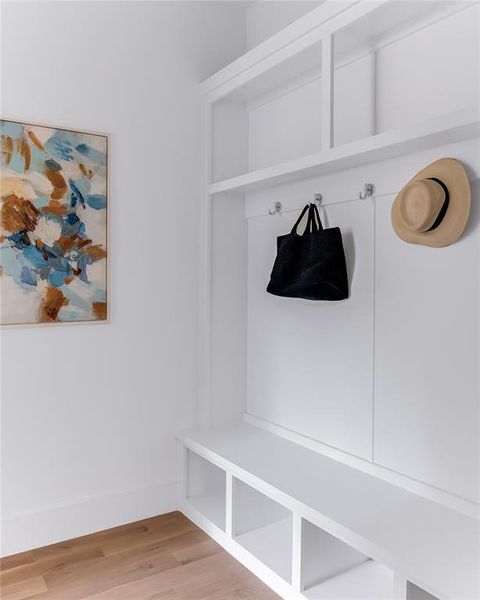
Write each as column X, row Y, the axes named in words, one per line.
column 434, row 547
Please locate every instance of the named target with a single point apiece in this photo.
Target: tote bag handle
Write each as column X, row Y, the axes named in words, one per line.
column 302, row 214
column 314, row 222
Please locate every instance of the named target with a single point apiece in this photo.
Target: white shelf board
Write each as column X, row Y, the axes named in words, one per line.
column 272, row 545
column 211, row 505
column 453, row 127
column 367, row 581
column 433, row 546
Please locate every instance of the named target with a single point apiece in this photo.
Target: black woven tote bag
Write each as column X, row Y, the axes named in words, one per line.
column 312, row 265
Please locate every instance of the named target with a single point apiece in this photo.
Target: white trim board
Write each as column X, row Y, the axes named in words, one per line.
column 56, row 523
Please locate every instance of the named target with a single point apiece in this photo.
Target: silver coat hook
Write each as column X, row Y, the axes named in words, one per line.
column 277, row 209
column 318, row 198
column 368, row 190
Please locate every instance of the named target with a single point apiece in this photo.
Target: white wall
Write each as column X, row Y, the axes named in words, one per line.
column 265, row 18
column 90, row 412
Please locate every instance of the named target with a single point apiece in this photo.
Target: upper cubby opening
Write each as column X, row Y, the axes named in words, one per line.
column 402, row 63
column 271, row 118
column 377, row 68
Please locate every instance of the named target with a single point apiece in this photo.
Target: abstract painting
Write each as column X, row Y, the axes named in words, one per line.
column 53, row 225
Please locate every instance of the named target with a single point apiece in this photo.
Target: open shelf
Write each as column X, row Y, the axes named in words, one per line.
column 338, row 88
column 252, row 125
column 368, row 50
column 264, row 528
column 332, row 570
column 366, row 581
column 458, row 125
column 271, row 544
column 415, row 593
column 206, row 488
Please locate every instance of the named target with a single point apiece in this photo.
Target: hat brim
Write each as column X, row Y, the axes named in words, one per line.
column 454, row 177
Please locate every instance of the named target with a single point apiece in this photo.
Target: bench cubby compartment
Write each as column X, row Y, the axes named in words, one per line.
column 332, row 570
column 263, row 527
column 416, row 593
column 206, row 488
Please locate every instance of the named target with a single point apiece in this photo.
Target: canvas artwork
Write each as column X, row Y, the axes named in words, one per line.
column 53, row 225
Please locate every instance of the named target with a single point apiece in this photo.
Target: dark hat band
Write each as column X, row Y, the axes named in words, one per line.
column 443, row 210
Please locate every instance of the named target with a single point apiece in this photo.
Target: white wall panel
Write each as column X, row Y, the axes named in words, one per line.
column 354, row 100
column 428, row 73
column 230, row 140
column 287, row 127
column 427, row 356
column 310, row 363
column 229, row 310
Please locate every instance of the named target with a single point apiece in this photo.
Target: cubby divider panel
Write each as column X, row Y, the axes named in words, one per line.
column 206, row 488
column 263, row 527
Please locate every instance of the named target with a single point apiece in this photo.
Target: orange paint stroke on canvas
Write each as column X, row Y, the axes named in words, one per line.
column 25, row 152
column 51, row 304
column 100, row 310
column 54, row 207
column 35, row 140
column 58, row 182
column 7, row 148
column 67, row 242
column 96, row 252
column 18, row 214
column 83, row 169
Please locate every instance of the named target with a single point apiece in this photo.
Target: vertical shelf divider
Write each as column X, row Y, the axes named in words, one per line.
column 297, row 583
column 327, row 105
column 229, row 525
column 182, row 459
column 399, row 587
column 205, row 267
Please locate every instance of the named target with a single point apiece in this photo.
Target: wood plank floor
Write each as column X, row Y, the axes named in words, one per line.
column 163, row 558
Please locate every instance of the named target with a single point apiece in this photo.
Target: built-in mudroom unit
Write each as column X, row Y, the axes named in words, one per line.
column 337, row 456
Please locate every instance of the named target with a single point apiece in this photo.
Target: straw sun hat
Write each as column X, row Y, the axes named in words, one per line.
column 433, row 208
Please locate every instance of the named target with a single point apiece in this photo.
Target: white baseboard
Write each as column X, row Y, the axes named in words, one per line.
column 50, row 524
